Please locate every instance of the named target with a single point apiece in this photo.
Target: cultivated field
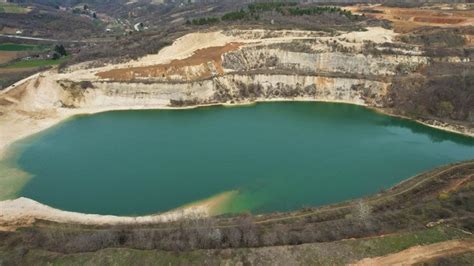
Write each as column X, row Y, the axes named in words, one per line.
column 409, row 19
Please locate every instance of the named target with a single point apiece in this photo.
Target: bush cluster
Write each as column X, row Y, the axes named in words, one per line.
column 284, row 8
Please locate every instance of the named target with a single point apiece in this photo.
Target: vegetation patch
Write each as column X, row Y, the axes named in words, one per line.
column 203, row 21
column 394, row 243
column 20, row 47
column 297, row 11
column 442, row 90
column 253, row 11
column 269, row 6
column 331, row 253
column 35, row 63
column 435, row 38
column 13, row 8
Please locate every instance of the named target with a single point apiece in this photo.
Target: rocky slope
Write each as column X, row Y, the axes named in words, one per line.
column 256, row 65
column 252, row 66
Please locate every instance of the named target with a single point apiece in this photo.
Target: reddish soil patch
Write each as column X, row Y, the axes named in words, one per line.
column 409, row 19
column 458, row 184
column 7, row 56
column 208, row 60
column 437, row 20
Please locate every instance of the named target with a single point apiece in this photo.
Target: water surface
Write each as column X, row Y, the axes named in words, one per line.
column 279, row 156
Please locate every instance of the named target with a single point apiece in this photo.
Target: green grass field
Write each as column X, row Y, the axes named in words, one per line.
column 35, row 63
column 13, row 47
column 13, row 8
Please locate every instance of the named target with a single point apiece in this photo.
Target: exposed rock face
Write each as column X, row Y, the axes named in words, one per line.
column 228, row 88
column 258, row 65
column 318, row 63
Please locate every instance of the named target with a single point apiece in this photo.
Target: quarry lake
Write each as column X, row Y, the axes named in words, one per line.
column 268, row 157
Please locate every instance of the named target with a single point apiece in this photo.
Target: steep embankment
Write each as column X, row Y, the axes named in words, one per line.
column 227, row 67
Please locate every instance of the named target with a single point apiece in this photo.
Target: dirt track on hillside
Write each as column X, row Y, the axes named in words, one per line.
column 420, row 254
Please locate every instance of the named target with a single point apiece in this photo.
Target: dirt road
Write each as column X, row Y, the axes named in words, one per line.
column 419, row 254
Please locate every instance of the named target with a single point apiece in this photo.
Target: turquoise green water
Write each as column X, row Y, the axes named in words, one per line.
column 279, row 156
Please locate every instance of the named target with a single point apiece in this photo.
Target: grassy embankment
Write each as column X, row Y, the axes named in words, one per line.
column 331, row 253
column 36, row 63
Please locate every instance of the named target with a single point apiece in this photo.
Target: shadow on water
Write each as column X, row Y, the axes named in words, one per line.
column 435, row 135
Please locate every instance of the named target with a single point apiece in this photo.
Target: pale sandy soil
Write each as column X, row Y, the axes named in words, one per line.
column 23, row 212
column 419, row 254
column 375, row 34
column 181, row 48
column 202, row 56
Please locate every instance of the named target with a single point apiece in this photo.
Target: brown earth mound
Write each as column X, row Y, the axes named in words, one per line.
column 208, row 59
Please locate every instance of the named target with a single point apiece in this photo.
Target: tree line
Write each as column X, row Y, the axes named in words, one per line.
column 284, row 8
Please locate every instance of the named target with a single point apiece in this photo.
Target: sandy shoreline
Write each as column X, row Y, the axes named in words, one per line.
column 24, row 211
